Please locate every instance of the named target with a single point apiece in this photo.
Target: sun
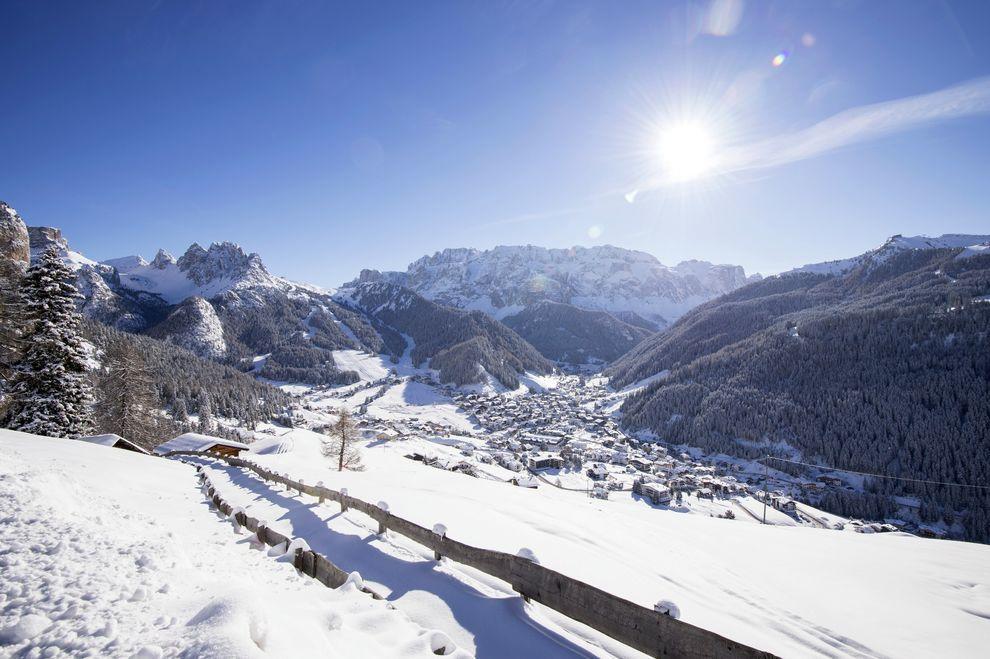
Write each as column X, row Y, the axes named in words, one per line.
column 686, row 150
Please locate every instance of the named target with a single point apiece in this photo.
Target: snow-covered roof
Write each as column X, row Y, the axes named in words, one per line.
column 194, row 441
column 109, row 440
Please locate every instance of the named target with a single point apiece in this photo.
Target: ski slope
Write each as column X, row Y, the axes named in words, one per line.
column 795, row 591
column 109, row 553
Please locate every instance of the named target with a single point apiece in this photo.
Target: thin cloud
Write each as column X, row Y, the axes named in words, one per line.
column 849, row 127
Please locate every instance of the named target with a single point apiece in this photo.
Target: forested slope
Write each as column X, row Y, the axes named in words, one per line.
column 884, row 369
column 456, row 342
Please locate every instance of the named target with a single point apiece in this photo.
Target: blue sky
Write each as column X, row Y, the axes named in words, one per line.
column 332, row 137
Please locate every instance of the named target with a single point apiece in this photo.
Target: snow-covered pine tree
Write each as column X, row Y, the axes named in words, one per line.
column 128, row 403
column 51, row 392
column 179, row 411
column 205, row 413
column 11, row 329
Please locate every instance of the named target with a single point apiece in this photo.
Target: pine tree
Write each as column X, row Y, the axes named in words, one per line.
column 340, row 442
column 205, row 413
column 12, row 321
column 51, row 392
column 11, row 329
column 128, row 402
column 179, row 411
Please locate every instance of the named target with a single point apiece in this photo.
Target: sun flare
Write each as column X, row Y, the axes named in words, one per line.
column 686, row 150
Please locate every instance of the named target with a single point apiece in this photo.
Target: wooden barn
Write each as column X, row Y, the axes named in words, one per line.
column 194, row 441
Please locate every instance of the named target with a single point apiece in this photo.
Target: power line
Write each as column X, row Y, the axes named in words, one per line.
column 865, row 473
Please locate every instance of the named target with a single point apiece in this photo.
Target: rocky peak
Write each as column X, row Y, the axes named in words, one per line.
column 162, row 260
column 15, row 250
column 221, row 260
column 44, row 237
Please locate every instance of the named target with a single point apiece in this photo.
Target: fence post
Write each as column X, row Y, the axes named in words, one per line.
column 441, row 531
column 319, row 488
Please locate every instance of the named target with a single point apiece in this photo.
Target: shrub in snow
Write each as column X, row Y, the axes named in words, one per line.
column 667, row 608
column 440, row 529
column 528, row 554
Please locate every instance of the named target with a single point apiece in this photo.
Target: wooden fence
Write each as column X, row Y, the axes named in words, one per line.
column 644, row 629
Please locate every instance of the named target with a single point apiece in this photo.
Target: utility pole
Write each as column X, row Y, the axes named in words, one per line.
column 766, row 460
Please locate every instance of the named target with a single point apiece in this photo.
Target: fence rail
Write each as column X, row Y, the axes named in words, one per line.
column 644, row 629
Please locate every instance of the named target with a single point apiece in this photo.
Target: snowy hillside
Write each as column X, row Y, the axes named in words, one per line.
column 504, row 280
column 794, row 591
column 975, row 244
column 106, row 552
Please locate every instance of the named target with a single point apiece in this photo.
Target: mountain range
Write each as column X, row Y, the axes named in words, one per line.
column 878, row 363
column 634, row 286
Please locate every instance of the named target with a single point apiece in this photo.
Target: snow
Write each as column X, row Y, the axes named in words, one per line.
column 411, row 399
column 792, row 590
column 102, row 440
column 974, row 250
column 368, row 367
column 110, row 440
column 113, row 553
column 972, row 245
column 194, row 441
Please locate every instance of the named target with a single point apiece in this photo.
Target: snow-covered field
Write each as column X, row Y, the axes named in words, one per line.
column 795, row 591
column 368, row 367
column 109, row 553
column 104, row 552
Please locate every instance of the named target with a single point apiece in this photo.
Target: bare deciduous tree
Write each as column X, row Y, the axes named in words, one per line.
column 340, row 443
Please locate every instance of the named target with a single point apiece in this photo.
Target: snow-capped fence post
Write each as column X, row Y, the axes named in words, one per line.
column 343, row 499
column 322, row 491
column 381, row 523
column 300, row 486
column 441, row 531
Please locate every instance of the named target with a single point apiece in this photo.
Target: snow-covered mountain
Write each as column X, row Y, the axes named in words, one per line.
column 205, row 273
column 222, row 304
column 505, row 280
column 974, row 243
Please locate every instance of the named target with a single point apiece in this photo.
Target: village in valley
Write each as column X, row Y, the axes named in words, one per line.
column 563, row 432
